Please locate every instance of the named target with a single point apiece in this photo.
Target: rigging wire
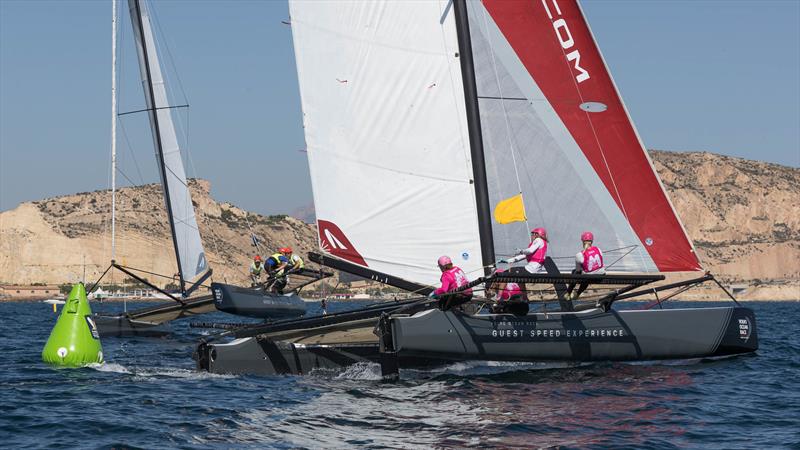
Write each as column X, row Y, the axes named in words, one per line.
column 505, row 118
column 165, row 45
column 129, row 147
column 154, row 242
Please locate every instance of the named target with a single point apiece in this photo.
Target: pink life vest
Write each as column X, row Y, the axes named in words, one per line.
column 592, row 259
column 538, row 255
column 510, row 290
column 453, row 279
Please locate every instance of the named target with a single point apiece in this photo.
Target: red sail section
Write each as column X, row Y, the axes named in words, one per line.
column 333, row 241
column 553, row 42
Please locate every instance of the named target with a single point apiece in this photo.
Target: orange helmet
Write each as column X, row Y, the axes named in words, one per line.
column 257, row 258
column 285, row 250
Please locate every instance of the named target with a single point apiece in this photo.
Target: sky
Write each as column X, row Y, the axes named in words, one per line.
column 718, row 76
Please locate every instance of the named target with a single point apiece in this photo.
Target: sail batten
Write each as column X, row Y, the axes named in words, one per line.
column 189, row 252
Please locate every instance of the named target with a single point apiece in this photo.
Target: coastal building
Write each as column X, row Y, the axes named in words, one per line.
column 360, row 286
column 24, row 292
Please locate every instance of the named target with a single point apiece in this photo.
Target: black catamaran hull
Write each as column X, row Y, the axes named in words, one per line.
column 253, row 302
column 259, row 356
column 592, row 335
column 151, row 320
column 434, row 338
column 120, row 325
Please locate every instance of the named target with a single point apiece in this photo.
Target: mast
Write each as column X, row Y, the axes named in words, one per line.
column 157, row 134
column 114, row 138
column 475, row 135
column 113, row 128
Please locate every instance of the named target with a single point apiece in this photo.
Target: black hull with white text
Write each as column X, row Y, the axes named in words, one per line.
column 432, row 337
column 591, row 335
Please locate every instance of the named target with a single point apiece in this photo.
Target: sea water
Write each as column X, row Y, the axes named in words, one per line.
column 149, row 395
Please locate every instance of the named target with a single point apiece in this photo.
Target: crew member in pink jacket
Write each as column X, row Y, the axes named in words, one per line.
column 534, row 254
column 452, row 278
column 506, row 296
column 587, row 261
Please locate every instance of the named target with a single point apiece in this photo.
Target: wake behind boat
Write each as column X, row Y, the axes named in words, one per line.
column 467, row 108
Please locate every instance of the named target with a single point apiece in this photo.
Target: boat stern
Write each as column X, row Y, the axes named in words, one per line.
column 740, row 335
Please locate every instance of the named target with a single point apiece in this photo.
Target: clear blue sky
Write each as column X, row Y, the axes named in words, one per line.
column 721, row 76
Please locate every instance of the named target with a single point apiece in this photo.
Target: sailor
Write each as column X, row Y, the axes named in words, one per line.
column 276, row 267
column 452, row 278
column 294, row 262
column 506, row 293
column 587, row 261
column 256, row 268
column 534, row 254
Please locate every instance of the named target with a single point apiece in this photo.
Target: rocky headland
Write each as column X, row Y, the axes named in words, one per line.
column 743, row 216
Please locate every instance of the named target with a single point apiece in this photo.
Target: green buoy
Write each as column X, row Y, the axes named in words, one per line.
column 74, row 341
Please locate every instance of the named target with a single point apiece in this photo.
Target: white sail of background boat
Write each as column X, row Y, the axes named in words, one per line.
column 193, row 268
column 420, row 117
column 192, row 264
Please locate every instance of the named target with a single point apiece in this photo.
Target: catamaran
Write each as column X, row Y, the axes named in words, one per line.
column 193, row 267
column 420, row 119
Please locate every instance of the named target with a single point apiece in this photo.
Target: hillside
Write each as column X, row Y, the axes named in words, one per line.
column 744, row 218
column 46, row 241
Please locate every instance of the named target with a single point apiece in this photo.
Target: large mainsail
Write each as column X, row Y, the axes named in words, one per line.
column 185, row 233
column 388, row 144
column 386, row 133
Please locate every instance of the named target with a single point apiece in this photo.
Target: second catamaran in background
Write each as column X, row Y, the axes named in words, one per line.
column 193, row 267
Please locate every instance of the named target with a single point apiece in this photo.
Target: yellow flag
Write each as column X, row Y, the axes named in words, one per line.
column 510, row 210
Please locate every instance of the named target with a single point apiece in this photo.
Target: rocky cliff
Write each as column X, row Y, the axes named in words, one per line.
column 52, row 240
column 744, row 218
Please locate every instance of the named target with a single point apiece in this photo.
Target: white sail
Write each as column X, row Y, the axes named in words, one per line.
column 185, row 233
column 388, row 144
column 386, row 132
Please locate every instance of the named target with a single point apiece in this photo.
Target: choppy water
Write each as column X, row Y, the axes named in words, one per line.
column 149, row 395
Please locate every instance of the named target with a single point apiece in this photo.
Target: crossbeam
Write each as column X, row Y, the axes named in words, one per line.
column 608, row 279
column 136, row 277
column 345, row 266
